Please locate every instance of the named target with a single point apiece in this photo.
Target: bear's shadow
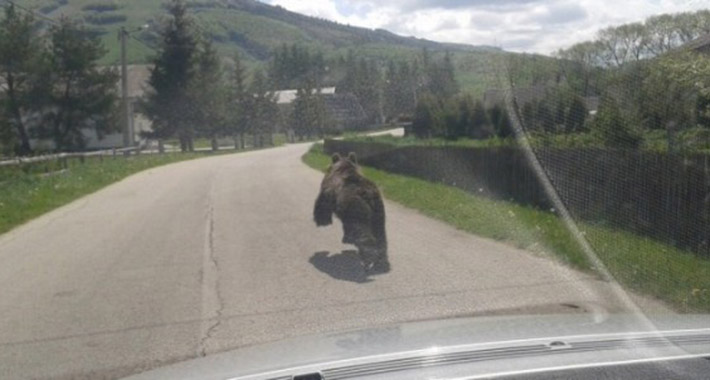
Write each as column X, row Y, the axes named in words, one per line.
column 344, row 266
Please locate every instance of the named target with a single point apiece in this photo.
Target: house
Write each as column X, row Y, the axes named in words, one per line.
column 286, row 97
column 138, row 76
column 344, row 110
column 137, row 81
column 591, row 103
column 526, row 95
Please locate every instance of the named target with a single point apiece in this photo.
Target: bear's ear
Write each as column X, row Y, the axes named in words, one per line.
column 352, row 157
column 336, row 157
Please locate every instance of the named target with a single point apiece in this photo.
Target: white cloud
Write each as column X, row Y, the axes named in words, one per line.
column 539, row 26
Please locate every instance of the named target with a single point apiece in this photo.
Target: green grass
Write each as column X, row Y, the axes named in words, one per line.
column 28, row 195
column 412, row 141
column 689, row 141
column 679, row 278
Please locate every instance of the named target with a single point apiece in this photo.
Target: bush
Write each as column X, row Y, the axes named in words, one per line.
column 427, row 117
column 613, row 129
column 577, row 114
column 480, row 127
column 501, row 121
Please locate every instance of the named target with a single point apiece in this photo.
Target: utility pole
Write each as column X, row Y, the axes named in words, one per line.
column 127, row 135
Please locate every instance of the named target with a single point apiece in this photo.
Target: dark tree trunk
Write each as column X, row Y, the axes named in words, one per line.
column 24, row 148
column 215, row 144
column 183, row 144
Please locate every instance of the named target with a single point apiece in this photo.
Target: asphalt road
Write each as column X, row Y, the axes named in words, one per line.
column 204, row 256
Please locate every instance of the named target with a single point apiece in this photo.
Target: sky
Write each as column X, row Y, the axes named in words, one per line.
column 535, row 26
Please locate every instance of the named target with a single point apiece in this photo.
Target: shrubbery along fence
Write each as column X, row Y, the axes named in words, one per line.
column 659, row 195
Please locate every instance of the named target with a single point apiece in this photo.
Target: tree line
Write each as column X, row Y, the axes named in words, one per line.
column 616, row 46
column 51, row 86
column 459, row 117
column 646, row 77
column 193, row 94
column 385, row 90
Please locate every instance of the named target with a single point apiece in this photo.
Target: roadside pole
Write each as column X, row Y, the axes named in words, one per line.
column 127, row 135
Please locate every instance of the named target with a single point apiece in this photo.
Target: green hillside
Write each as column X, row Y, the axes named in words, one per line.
column 255, row 29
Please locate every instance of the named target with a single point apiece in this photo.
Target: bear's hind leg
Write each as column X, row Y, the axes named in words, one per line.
column 349, row 234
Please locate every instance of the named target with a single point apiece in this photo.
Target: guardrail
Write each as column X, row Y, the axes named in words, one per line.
column 65, row 156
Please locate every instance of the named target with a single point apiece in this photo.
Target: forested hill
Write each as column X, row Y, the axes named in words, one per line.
column 248, row 26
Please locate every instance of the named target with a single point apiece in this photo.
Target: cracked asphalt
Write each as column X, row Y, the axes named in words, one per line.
column 204, row 256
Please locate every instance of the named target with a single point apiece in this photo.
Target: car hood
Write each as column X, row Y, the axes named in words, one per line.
column 480, row 344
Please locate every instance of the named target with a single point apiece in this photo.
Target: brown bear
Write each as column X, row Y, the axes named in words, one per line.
column 357, row 202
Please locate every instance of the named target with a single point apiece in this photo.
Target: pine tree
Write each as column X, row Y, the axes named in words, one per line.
column 309, row 117
column 263, row 109
column 447, row 77
column 238, row 105
column 560, row 114
column 21, row 69
column 167, row 104
column 544, row 118
column 348, row 83
column 438, row 78
column 298, row 119
column 501, row 121
column 465, row 115
column 528, row 116
column 480, row 126
column 363, row 79
column 612, row 128
column 504, row 127
column 82, row 95
column 392, row 90
column 576, row 116
column 427, row 117
column 408, row 95
column 208, row 95
column 451, row 120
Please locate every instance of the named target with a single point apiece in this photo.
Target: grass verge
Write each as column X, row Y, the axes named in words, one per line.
column 679, row 278
column 689, row 141
column 28, row 195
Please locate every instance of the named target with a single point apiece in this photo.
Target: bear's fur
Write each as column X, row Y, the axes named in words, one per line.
column 357, row 202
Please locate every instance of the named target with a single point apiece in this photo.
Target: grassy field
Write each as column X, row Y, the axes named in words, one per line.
column 28, row 192
column 679, row 278
column 28, row 195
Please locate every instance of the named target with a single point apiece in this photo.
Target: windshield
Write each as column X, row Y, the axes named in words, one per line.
column 184, row 178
